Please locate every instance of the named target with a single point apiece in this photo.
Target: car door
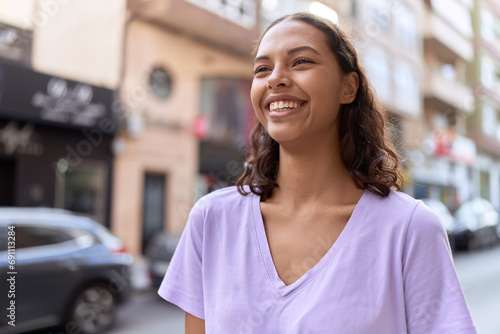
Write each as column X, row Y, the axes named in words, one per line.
column 47, row 264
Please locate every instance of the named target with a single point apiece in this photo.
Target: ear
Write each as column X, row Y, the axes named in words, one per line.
column 350, row 87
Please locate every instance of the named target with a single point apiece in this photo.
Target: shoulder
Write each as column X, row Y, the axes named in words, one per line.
column 223, row 201
column 398, row 204
column 224, row 195
column 398, row 199
column 420, row 225
column 404, row 211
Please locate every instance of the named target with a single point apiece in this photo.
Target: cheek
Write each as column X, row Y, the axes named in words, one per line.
column 256, row 97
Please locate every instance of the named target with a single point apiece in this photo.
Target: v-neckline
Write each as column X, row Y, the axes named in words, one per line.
column 265, row 251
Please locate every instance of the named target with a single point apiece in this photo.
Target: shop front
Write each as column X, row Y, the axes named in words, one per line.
column 443, row 170
column 55, row 142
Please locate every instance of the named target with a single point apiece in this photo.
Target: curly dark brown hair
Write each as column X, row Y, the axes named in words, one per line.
column 366, row 149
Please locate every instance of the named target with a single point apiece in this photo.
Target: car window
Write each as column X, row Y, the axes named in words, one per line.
column 3, row 237
column 34, row 236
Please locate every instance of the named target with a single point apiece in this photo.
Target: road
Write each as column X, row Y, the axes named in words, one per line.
column 479, row 274
column 148, row 313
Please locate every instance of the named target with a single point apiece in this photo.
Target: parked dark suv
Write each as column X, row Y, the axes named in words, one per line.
column 68, row 271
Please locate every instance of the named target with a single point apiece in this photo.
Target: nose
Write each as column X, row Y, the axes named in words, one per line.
column 278, row 78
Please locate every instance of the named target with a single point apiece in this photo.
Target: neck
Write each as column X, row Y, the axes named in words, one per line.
column 314, row 175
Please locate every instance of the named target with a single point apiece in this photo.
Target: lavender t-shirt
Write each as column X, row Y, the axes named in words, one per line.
column 389, row 271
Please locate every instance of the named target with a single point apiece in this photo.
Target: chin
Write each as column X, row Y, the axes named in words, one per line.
column 283, row 138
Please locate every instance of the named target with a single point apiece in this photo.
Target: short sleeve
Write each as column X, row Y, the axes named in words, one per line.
column 183, row 284
column 434, row 299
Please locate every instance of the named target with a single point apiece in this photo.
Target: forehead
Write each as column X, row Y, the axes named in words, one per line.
column 291, row 33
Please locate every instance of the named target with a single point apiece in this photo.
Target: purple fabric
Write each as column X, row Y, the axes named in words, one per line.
column 390, row 271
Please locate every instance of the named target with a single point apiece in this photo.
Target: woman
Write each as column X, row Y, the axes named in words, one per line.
column 314, row 239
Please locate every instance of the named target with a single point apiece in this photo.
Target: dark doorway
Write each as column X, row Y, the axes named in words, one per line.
column 153, row 215
column 7, row 182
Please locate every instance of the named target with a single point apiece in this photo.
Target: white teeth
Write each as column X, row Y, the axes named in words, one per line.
column 283, row 105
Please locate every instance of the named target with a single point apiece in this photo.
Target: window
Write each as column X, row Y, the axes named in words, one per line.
column 487, row 25
column 35, row 236
column 160, row 82
column 377, row 66
column 406, row 26
column 455, row 14
column 488, row 72
column 241, row 12
column 448, row 71
column 407, row 87
column 489, row 120
column 82, row 188
column 380, row 13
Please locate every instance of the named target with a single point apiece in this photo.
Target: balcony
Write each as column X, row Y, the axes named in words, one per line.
column 446, row 93
column 444, row 40
column 231, row 28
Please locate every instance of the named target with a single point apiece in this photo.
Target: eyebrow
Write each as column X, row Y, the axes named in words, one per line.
column 289, row 52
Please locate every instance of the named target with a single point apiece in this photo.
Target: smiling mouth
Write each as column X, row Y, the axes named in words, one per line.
column 284, row 105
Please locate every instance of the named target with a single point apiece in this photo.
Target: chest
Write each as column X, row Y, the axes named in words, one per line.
column 298, row 242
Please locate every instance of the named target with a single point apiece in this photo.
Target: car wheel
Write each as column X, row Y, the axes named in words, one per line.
column 93, row 310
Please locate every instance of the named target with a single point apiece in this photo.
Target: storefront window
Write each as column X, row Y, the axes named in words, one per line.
column 82, row 188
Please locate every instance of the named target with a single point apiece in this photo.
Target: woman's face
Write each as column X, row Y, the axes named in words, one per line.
column 298, row 86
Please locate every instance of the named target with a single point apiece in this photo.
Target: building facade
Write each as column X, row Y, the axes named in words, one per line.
column 185, row 96
column 443, row 165
column 58, row 80
column 484, row 124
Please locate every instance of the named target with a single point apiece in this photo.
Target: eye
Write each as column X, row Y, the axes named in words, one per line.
column 301, row 61
column 260, row 69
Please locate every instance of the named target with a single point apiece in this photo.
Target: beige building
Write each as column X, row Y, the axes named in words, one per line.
column 447, row 155
column 177, row 76
column 483, row 126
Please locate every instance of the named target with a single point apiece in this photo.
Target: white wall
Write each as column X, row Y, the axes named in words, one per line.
column 18, row 13
column 80, row 39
